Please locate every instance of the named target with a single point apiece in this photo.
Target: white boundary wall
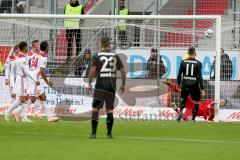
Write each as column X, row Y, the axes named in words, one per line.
column 81, row 106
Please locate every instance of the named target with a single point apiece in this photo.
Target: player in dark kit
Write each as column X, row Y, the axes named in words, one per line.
column 105, row 65
column 191, row 81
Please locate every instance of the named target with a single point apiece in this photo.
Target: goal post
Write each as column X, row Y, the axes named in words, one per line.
column 218, row 60
column 148, row 96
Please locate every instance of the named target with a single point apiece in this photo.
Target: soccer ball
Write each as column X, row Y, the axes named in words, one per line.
column 209, row 33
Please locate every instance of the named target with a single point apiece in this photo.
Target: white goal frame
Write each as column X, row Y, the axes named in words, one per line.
column 217, row 19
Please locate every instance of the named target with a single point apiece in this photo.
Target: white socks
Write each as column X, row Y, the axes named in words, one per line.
column 25, row 109
column 43, row 105
column 13, row 106
column 37, row 106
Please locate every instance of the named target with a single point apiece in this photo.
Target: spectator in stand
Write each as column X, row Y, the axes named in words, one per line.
column 6, row 6
column 122, row 29
column 82, row 66
column 225, row 67
column 72, row 27
column 152, row 65
column 20, row 6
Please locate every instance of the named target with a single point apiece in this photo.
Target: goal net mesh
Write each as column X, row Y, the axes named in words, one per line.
column 132, row 40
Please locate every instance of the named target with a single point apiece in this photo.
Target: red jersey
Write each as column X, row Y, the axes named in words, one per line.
column 206, row 108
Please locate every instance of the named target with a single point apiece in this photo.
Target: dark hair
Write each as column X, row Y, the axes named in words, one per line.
column 16, row 47
column 222, row 50
column 105, row 41
column 22, row 45
column 87, row 51
column 191, row 51
column 35, row 41
column 43, row 45
column 154, row 50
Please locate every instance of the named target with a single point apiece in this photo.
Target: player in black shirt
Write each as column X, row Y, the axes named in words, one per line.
column 105, row 65
column 191, row 81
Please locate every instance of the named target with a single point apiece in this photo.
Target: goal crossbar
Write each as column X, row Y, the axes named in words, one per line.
column 47, row 16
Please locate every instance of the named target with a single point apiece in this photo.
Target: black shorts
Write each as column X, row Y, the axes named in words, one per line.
column 102, row 97
column 194, row 92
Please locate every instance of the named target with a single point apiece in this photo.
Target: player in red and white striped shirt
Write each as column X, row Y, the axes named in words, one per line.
column 10, row 68
column 34, row 61
column 206, row 109
column 22, row 71
column 37, row 65
column 10, row 76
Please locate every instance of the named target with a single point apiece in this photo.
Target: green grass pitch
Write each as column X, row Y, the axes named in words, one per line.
column 145, row 140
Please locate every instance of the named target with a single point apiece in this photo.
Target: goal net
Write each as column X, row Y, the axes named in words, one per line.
column 145, row 44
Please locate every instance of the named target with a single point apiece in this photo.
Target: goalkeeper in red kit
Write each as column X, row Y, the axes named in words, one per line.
column 206, row 108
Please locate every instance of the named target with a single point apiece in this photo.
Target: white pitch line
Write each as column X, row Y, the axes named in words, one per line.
column 48, row 134
column 181, row 139
column 134, row 138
